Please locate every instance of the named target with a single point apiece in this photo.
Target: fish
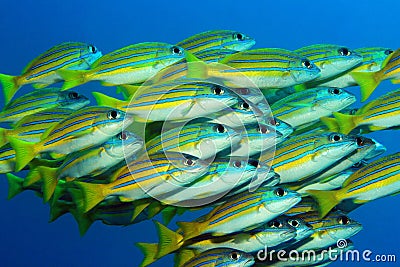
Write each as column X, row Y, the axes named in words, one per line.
column 199, row 139
column 41, row 71
column 308, row 106
column 331, row 59
column 220, row 257
column 128, row 65
column 373, row 57
column 368, row 81
column 255, row 139
column 31, row 127
column 378, row 179
column 173, row 101
column 88, row 162
column 379, row 114
column 84, row 128
column 145, row 177
column 263, row 68
column 38, row 101
column 223, row 175
column 335, row 226
column 302, row 228
column 238, row 115
column 268, row 235
column 302, row 156
column 306, row 204
column 217, row 40
column 240, row 212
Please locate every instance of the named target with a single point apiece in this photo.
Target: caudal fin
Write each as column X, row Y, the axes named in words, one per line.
column 331, row 123
column 368, row 82
column 72, row 78
column 84, row 221
column 15, row 185
column 346, row 122
column 3, row 136
column 326, row 200
column 170, row 241
column 190, row 229
column 24, row 152
column 50, row 180
column 108, row 101
column 149, row 251
column 10, row 86
column 127, row 90
column 93, row 194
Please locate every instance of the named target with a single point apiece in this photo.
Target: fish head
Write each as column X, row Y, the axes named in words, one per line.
column 275, row 232
column 333, row 99
column 170, row 54
column 214, row 97
column 373, row 57
column 335, row 145
column 72, row 100
column 339, row 226
column 124, row 144
column 238, row 41
column 249, row 94
column 235, row 258
column 112, row 121
column 285, row 129
column 184, row 169
column 90, row 54
column 217, row 137
column 279, row 199
column 260, row 137
column 303, row 70
column 303, row 229
column 345, row 58
column 378, row 150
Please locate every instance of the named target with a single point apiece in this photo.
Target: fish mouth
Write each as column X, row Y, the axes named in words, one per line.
column 249, row 263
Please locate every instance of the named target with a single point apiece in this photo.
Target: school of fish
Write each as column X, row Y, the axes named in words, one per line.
column 264, row 142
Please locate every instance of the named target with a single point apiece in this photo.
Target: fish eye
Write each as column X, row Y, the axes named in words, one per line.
column 273, row 122
column 123, row 136
column 275, row 224
column 360, row 141
column 344, row 51
column 176, row 50
column 335, row 91
column 73, row 95
column 238, row 36
column 234, row 256
column 92, row 49
column 237, row 164
column 218, row 90
column 344, row 220
column 335, row 137
column 294, row 223
column 243, row 91
column 388, row 51
column 353, row 111
column 306, row 63
column 254, row 163
column 244, row 106
column 189, row 162
column 219, row 128
column 114, row 114
column 280, row 192
column 263, row 129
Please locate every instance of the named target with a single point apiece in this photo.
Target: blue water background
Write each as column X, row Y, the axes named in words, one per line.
column 30, row 27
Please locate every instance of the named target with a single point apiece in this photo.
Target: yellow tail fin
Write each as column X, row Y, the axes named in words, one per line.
column 24, row 152
column 368, row 82
column 15, row 185
column 149, row 251
column 72, row 78
column 170, row 241
column 93, row 194
column 346, row 122
column 108, row 101
column 10, row 86
column 326, row 200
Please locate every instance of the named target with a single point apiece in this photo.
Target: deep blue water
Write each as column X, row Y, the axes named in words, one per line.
column 30, row 27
